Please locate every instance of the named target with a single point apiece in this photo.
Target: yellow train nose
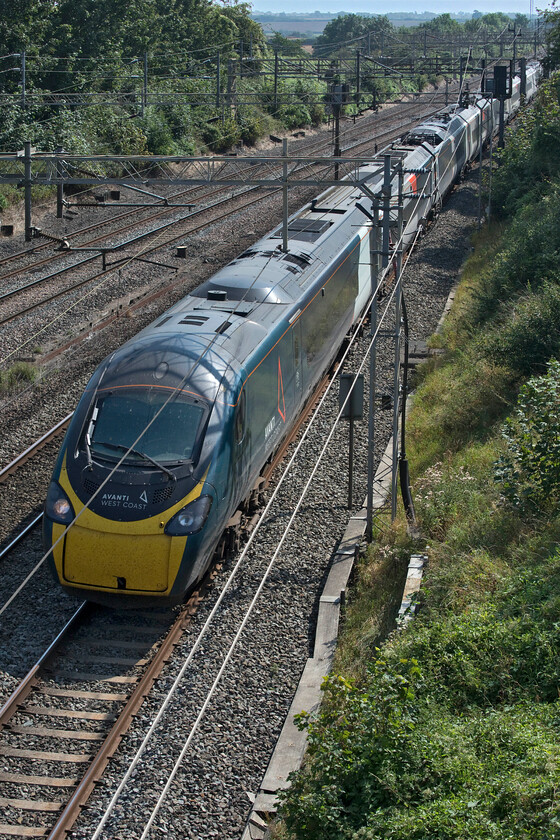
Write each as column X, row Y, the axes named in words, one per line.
column 117, row 561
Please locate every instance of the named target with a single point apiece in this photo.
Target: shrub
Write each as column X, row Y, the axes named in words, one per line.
column 159, row 137
column 221, row 136
column 252, row 127
column 531, row 335
column 529, row 471
column 527, row 164
column 358, row 744
column 527, row 261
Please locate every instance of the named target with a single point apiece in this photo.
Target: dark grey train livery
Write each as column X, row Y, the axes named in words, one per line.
column 174, row 428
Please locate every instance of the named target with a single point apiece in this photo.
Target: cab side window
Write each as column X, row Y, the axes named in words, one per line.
column 240, row 416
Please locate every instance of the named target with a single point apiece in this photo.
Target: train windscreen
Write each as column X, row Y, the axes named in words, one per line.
column 153, row 423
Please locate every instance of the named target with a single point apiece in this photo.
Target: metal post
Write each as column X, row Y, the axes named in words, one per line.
column 397, row 360
column 285, row 196
column 218, row 81
column 386, row 193
column 358, row 74
column 231, row 89
column 145, row 84
column 23, row 79
column 536, row 45
column 446, row 90
column 337, row 152
column 501, row 141
column 375, row 248
column 489, row 208
column 27, row 186
column 275, row 81
column 480, row 144
column 350, row 463
column 59, row 185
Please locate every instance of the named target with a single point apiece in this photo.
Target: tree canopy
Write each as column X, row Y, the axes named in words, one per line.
column 342, row 32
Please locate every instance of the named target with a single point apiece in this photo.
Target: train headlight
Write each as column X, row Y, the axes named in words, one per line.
column 58, row 506
column 190, row 519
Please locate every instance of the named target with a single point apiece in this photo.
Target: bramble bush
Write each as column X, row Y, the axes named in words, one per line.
column 529, row 470
column 359, row 748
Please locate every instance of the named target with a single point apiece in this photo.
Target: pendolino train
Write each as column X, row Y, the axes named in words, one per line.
column 174, row 428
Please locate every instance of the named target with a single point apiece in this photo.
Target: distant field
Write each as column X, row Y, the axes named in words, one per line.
column 300, row 24
column 314, row 25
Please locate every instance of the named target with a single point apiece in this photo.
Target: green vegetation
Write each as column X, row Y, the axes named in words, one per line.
column 185, row 76
column 376, row 35
column 529, row 470
column 450, row 728
column 19, row 375
column 141, row 77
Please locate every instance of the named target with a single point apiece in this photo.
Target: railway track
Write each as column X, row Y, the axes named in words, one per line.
column 68, row 715
column 311, row 146
column 258, row 673
column 185, row 226
column 104, row 661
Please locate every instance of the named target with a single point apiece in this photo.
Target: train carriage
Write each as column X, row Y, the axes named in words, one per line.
column 174, row 428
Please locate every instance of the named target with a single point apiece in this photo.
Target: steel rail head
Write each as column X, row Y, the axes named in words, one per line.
column 20, row 693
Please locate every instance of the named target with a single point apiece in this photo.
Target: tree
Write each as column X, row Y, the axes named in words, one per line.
column 442, row 25
column 552, row 19
column 286, row 46
column 23, row 24
column 107, row 28
column 492, row 24
column 247, row 31
column 353, row 32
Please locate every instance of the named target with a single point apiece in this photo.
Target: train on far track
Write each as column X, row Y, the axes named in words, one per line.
column 174, row 428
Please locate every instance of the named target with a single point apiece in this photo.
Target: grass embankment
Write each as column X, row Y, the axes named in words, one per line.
column 451, row 728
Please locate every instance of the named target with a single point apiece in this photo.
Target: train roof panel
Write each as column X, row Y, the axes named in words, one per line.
column 224, row 324
column 167, row 359
column 242, row 280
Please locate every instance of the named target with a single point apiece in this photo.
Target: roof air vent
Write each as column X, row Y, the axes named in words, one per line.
column 217, row 294
column 194, row 320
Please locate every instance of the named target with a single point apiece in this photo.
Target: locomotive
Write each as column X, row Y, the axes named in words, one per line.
column 174, row 428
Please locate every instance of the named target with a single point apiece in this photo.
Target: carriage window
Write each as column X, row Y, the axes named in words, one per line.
column 240, row 418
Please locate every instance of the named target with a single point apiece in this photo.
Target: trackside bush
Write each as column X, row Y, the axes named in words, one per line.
column 529, row 471
column 358, row 744
column 531, row 334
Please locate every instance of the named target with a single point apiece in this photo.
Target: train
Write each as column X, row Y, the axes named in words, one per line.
column 174, row 428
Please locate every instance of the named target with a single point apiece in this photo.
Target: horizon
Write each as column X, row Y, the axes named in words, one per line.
column 437, row 7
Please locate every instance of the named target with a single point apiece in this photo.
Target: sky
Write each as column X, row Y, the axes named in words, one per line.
column 381, row 7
